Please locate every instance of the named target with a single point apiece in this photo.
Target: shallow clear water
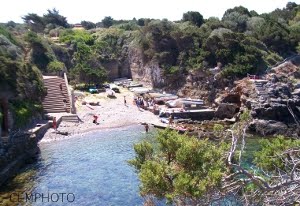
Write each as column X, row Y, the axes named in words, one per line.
column 92, row 168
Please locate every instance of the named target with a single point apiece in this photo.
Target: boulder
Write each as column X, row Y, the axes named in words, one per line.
column 232, row 98
column 226, row 110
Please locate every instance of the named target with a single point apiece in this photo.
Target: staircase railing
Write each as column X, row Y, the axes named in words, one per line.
column 292, row 113
column 70, row 94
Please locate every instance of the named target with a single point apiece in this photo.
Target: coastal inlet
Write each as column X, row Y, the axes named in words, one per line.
column 92, row 166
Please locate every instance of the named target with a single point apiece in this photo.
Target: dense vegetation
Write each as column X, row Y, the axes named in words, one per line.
column 19, row 81
column 188, row 171
column 179, row 168
column 241, row 42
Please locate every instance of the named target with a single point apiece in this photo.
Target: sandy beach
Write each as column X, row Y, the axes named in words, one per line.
column 111, row 112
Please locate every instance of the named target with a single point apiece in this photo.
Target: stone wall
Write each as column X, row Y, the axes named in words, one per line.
column 18, row 150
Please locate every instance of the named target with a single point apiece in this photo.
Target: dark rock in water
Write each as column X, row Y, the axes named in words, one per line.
column 268, row 127
column 226, row 110
column 278, row 110
column 62, row 133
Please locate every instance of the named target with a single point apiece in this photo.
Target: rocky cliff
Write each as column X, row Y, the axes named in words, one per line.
column 274, row 99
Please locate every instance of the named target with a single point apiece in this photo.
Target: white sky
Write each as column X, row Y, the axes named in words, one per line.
column 96, row 10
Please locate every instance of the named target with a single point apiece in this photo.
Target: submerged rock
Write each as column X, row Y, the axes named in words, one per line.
column 272, row 128
column 268, row 127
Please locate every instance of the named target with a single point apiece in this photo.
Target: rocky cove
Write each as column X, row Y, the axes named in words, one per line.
column 63, row 113
column 273, row 97
column 276, row 112
column 273, row 100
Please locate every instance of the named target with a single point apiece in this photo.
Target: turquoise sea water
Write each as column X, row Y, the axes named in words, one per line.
column 91, row 168
column 87, row 170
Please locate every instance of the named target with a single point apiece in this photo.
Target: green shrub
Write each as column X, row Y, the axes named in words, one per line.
column 23, row 111
column 55, row 66
column 81, row 87
column 8, row 35
column 271, row 156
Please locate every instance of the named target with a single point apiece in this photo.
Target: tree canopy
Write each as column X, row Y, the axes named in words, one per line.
column 190, row 171
column 194, row 17
column 107, row 21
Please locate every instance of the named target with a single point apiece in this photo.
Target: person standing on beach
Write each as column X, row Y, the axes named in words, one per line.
column 54, row 123
column 138, row 103
column 146, row 127
column 125, row 103
column 171, row 118
column 65, row 105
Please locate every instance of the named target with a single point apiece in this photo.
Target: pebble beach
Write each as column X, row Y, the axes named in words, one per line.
column 111, row 112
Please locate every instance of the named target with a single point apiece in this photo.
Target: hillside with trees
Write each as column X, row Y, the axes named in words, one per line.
column 241, row 42
column 161, row 53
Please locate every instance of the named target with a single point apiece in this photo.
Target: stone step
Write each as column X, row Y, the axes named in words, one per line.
column 54, row 106
column 56, row 88
column 55, row 82
column 73, row 118
column 56, row 110
column 54, row 79
column 50, row 100
column 53, row 102
column 57, row 97
column 263, row 93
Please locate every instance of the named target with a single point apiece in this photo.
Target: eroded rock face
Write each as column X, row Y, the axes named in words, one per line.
column 274, row 101
column 148, row 73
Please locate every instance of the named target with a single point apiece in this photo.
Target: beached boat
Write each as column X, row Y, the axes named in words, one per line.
column 178, row 128
column 140, row 90
column 110, row 93
column 134, row 84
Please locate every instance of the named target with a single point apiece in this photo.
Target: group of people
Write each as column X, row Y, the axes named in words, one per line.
column 139, row 102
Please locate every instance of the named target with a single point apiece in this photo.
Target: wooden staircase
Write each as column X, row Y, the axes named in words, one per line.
column 54, row 100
